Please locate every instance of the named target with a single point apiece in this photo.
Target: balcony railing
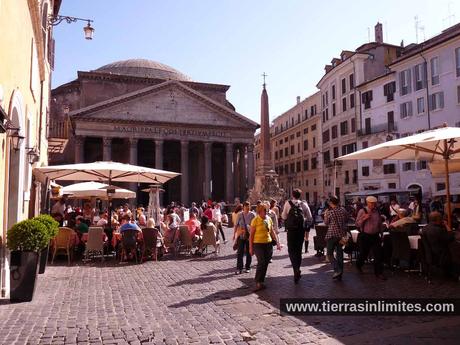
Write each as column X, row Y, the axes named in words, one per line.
column 58, row 129
column 58, row 136
column 384, row 127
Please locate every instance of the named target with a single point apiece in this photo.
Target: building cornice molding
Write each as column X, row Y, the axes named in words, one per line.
column 97, row 75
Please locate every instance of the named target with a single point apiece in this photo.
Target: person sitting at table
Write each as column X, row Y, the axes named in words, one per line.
column 404, row 218
column 141, row 219
column 102, row 222
column 81, row 225
column 194, row 229
column 88, row 212
column 439, row 236
column 126, row 224
column 172, row 226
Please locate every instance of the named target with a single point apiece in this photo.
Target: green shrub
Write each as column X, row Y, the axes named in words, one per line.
column 51, row 224
column 28, row 235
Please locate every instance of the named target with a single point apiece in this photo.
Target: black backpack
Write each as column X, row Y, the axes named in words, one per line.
column 295, row 221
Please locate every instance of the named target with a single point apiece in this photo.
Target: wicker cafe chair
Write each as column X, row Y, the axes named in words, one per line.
column 129, row 243
column 209, row 239
column 150, row 236
column 95, row 243
column 63, row 243
column 185, row 243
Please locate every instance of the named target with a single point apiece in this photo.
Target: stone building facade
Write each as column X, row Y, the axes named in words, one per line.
column 340, row 110
column 27, row 60
column 420, row 91
column 146, row 113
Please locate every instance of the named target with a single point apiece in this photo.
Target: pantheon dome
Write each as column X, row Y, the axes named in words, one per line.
column 143, row 68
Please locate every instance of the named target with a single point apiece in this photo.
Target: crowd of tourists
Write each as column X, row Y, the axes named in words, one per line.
column 256, row 228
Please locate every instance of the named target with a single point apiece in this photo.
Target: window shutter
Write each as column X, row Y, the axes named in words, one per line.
column 385, row 89
column 424, row 74
column 409, row 110
column 401, row 79
column 401, row 111
column 409, row 78
column 430, row 102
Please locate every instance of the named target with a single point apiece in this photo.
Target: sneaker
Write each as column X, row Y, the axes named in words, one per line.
column 247, row 270
column 238, row 272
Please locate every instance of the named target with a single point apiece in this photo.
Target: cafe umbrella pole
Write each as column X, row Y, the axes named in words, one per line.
column 446, row 168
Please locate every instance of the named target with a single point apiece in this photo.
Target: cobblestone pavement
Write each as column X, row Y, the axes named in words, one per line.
column 199, row 300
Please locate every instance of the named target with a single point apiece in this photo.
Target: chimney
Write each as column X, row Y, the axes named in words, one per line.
column 378, row 33
column 298, row 99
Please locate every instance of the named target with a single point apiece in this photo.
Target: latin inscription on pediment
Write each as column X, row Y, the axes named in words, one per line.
column 168, row 132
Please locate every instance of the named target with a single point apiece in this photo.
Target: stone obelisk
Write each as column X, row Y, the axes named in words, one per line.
column 266, row 184
column 266, row 163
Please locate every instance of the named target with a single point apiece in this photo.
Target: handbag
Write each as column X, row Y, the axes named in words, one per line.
column 246, row 232
column 236, row 243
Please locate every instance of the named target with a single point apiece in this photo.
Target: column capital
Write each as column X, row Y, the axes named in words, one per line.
column 184, row 142
column 133, row 141
column 106, row 141
column 250, row 147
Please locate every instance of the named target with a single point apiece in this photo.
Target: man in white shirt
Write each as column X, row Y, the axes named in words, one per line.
column 296, row 214
column 59, row 206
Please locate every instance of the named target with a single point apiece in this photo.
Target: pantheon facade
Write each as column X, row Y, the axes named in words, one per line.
column 146, row 113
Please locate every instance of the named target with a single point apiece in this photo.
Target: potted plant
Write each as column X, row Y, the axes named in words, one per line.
column 25, row 240
column 53, row 228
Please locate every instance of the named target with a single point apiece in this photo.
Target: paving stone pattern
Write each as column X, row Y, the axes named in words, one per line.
column 199, row 300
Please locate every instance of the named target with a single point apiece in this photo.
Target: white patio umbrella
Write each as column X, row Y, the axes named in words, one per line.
column 105, row 172
column 96, row 189
column 438, row 170
column 108, row 172
column 436, row 145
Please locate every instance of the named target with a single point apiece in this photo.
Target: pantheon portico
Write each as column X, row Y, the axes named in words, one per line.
column 146, row 113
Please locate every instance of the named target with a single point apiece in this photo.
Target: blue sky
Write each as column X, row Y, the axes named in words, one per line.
column 234, row 41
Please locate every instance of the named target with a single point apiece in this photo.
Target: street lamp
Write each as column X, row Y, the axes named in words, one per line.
column 33, row 154
column 13, row 133
column 88, row 29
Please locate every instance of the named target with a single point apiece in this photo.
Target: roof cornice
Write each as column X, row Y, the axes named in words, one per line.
column 98, row 75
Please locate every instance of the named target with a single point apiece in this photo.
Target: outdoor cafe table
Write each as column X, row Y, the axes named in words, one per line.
column 413, row 241
column 354, row 235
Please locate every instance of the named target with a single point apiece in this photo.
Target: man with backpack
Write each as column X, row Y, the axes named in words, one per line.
column 296, row 215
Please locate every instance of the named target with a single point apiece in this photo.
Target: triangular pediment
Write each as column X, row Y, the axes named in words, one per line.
column 169, row 102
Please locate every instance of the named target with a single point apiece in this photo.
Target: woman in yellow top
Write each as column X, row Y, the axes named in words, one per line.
column 260, row 243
